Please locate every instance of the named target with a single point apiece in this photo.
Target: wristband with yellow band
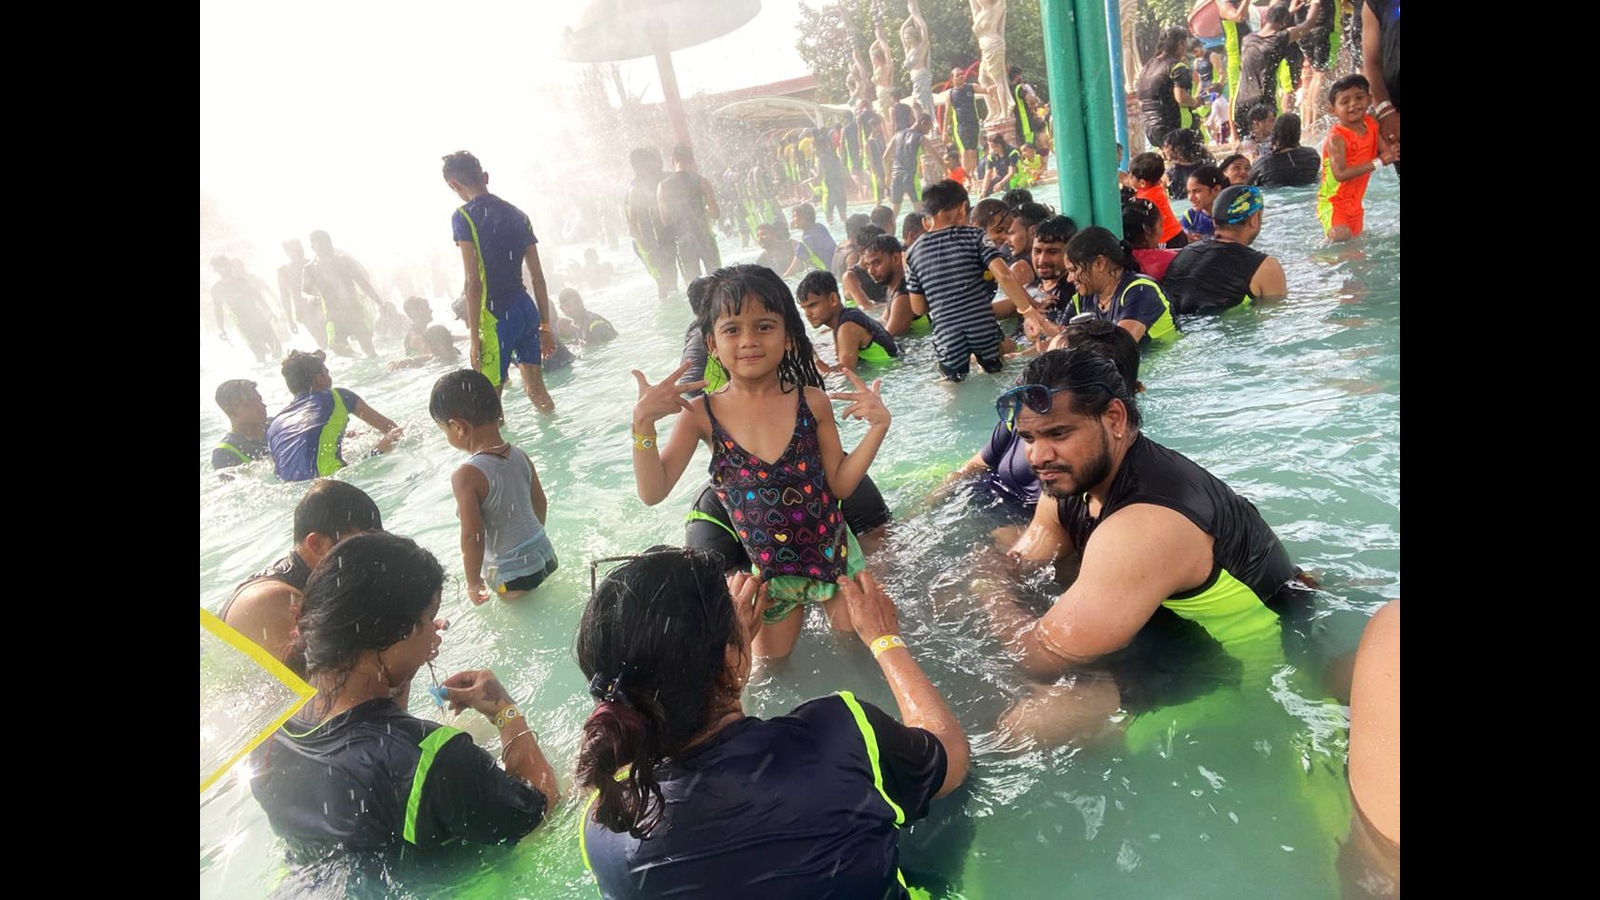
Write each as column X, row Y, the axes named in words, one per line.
column 643, row 441
column 885, row 643
column 506, row 715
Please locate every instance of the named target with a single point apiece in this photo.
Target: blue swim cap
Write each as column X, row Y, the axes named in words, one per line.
column 1236, row 203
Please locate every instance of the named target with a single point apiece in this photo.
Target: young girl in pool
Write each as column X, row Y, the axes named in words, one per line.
column 776, row 462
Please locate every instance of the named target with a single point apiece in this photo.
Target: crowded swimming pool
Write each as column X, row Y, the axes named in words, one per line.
column 1296, row 406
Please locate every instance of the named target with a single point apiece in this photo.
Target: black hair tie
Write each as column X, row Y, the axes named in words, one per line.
column 608, row 690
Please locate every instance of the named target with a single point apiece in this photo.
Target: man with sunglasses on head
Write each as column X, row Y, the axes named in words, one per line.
column 1159, row 545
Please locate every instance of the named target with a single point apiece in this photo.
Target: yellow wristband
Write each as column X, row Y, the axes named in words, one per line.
column 506, row 715
column 885, row 643
column 644, row 441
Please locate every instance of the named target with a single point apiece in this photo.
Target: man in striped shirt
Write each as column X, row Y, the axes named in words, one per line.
column 951, row 273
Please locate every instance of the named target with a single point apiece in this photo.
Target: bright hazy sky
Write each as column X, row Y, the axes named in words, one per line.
column 319, row 114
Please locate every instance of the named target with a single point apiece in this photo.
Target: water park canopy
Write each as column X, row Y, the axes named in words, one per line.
column 784, row 111
column 612, row 30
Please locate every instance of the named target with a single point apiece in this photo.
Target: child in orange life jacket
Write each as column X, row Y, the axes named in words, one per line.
column 1147, row 170
column 1350, row 155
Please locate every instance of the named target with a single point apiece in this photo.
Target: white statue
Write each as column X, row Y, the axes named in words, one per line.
column 914, row 38
column 989, row 27
column 883, row 76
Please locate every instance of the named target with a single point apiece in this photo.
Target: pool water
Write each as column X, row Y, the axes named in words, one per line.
column 1296, row 406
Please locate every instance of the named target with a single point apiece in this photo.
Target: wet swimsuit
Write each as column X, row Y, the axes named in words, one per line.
column 786, row 518
column 1249, row 569
column 1295, row 167
column 819, row 241
column 949, row 267
column 508, row 324
column 1339, row 202
column 375, row 778
column 964, row 118
column 1138, row 297
column 1199, row 223
column 1158, row 105
column 906, row 150
column 805, row 805
column 290, row 570
column 874, row 292
column 1010, row 476
column 1171, row 230
column 1211, row 276
column 306, row 439
column 1259, row 57
column 882, row 348
column 236, row 450
column 707, row 526
column 515, row 545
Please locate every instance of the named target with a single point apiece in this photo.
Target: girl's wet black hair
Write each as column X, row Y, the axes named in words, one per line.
column 1187, row 145
column 1096, row 241
column 1139, row 218
column 726, row 295
column 1209, row 176
column 657, row 630
column 368, row 593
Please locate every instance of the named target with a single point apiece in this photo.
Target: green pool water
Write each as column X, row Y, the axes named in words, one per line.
column 1297, row 406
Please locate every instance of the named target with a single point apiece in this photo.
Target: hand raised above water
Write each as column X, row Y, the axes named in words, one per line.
column 865, row 403
column 665, row 398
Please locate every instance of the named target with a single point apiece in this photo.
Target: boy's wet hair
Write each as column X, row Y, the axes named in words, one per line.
column 1055, row 230
column 300, row 367
column 1260, row 113
column 989, row 211
column 1032, row 213
column 1354, row 80
column 864, row 234
column 806, row 213
column 417, row 308
column 232, row 393
column 1017, row 196
column 884, row 243
column 816, row 283
column 1148, row 166
column 733, row 286
column 335, row 508
column 943, row 195
column 464, row 167
column 883, row 217
column 464, row 394
column 1187, row 143
column 912, row 224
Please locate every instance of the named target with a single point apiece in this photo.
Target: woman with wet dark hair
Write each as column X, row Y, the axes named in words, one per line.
column 710, row 801
column 353, row 770
column 1106, row 274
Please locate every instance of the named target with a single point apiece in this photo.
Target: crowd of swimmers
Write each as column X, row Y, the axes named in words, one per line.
column 788, row 519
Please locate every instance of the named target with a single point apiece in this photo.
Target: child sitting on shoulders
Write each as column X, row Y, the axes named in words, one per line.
column 499, row 500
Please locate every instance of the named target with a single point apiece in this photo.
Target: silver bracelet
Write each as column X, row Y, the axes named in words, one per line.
column 504, row 748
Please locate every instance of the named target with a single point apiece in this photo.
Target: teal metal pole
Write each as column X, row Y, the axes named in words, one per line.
column 1119, row 98
column 1066, row 93
column 1100, row 127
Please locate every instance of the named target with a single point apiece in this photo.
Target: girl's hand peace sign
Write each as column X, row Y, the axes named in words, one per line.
column 866, row 404
column 657, row 401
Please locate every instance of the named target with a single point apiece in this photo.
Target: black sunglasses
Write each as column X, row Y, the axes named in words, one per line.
column 1036, row 397
column 594, row 564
